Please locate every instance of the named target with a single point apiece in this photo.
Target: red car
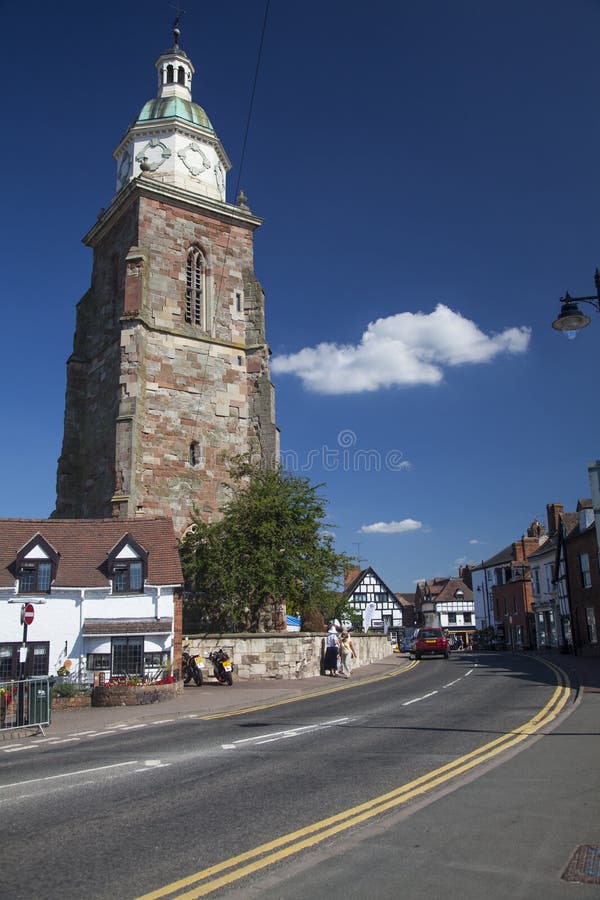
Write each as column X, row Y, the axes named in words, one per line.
column 430, row 642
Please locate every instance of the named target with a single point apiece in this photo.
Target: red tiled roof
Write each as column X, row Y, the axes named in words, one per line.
column 84, row 544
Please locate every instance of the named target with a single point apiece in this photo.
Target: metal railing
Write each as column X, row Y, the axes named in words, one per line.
column 25, row 703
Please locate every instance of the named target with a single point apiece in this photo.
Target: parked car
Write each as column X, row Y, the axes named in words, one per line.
column 430, row 642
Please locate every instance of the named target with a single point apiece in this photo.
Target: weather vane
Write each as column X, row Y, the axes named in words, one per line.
column 176, row 31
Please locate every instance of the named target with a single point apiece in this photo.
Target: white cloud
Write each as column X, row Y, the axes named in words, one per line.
column 403, row 350
column 475, row 541
column 392, row 527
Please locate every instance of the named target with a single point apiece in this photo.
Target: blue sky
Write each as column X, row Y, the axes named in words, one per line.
column 428, row 176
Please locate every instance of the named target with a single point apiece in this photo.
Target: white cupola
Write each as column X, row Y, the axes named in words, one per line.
column 175, row 71
column 172, row 139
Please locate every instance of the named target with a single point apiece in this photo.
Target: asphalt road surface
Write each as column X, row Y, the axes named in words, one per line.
column 233, row 805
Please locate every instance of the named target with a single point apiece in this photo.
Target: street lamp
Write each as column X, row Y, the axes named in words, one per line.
column 570, row 319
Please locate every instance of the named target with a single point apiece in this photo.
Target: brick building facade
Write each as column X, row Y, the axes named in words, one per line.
column 169, row 374
column 578, row 580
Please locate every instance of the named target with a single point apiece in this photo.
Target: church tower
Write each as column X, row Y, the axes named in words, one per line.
column 169, row 374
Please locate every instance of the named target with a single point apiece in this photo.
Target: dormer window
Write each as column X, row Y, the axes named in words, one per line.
column 35, row 566
column 35, row 578
column 127, row 566
column 128, row 578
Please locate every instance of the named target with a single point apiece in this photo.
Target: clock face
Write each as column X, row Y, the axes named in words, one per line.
column 124, row 168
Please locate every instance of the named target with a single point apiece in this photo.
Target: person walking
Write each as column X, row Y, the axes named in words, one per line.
column 348, row 653
column 330, row 661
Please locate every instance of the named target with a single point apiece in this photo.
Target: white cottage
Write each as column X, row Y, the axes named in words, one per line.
column 106, row 596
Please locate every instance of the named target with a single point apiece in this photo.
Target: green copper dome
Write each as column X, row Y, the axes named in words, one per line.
column 174, row 108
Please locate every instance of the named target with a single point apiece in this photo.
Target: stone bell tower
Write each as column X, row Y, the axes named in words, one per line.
column 169, row 374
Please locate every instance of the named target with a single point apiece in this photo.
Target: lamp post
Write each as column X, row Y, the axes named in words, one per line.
column 484, row 591
column 570, row 320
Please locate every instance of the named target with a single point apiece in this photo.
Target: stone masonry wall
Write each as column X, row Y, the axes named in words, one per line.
column 144, row 386
column 260, row 656
column 86, row 468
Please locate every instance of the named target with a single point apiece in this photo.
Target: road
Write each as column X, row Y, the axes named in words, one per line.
column 126, row 814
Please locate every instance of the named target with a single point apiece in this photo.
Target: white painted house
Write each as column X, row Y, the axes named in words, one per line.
column 106, row 595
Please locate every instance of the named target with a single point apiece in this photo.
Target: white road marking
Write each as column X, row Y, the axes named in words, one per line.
column 150, row 764
column 63, row 740
column 450, row 683
column 259, row 739
column 131, row 762
column 416, row 699
column 16, row 749
column 469, row 672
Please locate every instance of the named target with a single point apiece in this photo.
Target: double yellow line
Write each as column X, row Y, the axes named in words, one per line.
column 214, row 877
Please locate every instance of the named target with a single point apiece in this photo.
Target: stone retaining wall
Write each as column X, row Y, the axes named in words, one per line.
column 297, row 655
column 132, row 695
column 62, row 703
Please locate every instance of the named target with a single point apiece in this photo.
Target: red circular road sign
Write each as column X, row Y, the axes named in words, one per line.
column 28, row 614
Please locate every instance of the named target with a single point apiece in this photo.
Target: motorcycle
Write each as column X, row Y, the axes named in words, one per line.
column 222, row 666
column 191, row 667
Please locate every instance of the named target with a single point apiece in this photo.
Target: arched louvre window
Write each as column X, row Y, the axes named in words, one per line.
column 195, row 288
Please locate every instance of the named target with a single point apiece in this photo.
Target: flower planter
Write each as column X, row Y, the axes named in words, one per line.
column 132, row 694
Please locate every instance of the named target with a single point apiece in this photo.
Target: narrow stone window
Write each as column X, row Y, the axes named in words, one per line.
column 180, row 75
column 195, row 283
column 170, row 78
column 238, row 303
column 196, row 456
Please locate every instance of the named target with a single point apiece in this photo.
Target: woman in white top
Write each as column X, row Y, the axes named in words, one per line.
column 331, row 651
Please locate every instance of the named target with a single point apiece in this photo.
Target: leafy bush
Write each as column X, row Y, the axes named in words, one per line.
column 69, row 689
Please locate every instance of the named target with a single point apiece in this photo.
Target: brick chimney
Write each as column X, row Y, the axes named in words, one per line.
column 350, row 574
column 554, row 511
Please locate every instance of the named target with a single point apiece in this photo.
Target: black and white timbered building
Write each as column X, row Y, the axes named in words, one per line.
column 366, row 591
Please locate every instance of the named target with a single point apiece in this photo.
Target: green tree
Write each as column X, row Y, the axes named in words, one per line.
column 272, row 546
